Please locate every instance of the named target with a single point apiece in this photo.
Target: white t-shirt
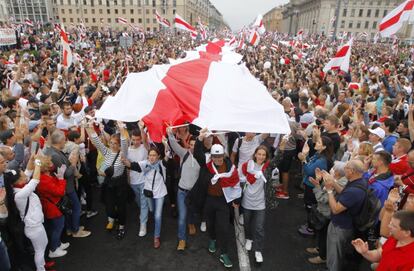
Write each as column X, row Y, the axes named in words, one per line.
column 137, row 155
column 64, row 123
column 247, row 148
column 15, row 89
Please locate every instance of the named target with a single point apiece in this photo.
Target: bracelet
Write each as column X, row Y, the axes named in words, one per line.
column 38, row 162
column 329, row 191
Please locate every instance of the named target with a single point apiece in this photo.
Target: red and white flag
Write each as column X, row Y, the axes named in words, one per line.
column 254, row 38
column 241, row 44
column 66, row 51
column 203, row 31
column 28, row 22
column 274, row 46
column 122, row 20
column 232, row 41
column 341, row 59
column 376, row 37
column 162, row 21
column 194, row 35
column 193, row 91
column 299, row 35
column 394, row 20
column 258, row 24
column 180, row 23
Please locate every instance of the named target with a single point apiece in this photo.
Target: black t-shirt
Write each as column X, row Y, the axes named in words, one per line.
column 336, row 139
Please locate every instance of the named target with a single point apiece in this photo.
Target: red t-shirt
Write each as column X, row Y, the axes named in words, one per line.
column 399, row 166
column 396, row 258
column 408, row 180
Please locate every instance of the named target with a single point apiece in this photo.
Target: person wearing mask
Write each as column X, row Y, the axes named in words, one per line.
column 397, row 253
column 217, row 189
column 51, row 189
column 344, row 207
column 375, row 137
column 190, row 169
column 22, row 199
column 153, row 171
column 321, row 160
column 116, row 184
column 59, row 160
column 254, row 201
column 137, row 152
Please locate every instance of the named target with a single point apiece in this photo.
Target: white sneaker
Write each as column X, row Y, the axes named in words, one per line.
column 57, row 253
column 64, row 246
column 203, row 226
column 142, row 230
column 258, row 256
column 241, row 219
column 248, row 244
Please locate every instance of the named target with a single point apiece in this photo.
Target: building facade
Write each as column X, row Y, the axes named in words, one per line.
column 99, row 13
column 34, row 10
column 317, row 16
column 273, row 19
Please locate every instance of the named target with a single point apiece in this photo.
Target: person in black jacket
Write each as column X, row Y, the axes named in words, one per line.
column 217, row 189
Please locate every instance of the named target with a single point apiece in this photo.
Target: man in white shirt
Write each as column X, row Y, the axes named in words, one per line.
column 137, row 152
column 65, row 120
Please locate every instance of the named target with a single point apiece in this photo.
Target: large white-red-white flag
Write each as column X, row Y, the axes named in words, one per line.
column 341, row 59
column 122, row 20
column 162, row 21
column 394, row 20
column 180, row 23
column 192, row 90
column 67, row 56
column 258, row 24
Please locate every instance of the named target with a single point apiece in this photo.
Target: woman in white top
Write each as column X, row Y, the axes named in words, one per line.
column 22, row 201
column 153, row 173
column 254, row 200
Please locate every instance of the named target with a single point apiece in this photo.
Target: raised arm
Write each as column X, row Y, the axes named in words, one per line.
column 96, row 141
column 180, row 151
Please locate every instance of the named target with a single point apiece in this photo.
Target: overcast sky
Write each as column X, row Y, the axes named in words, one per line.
column 238, row 13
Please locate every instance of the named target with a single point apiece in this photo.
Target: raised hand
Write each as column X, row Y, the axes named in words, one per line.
column 360, row 246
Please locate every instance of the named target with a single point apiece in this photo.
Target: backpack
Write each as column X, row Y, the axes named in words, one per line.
column 368, row 215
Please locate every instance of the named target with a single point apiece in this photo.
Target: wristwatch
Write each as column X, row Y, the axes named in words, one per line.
column 38, row 162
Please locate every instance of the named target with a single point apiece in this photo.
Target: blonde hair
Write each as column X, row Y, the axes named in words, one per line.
column 366, row 149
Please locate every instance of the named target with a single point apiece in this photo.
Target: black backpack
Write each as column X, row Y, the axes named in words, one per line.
column 368, row 215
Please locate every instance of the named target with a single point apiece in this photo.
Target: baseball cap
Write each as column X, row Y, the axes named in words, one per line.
column 217, row 149
column 378, row 132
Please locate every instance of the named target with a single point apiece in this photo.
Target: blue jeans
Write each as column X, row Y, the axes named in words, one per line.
column 158, row 204
column 142, row 202
column 4, row 257
column 73, row 220
column 185, row 215
column 54, row 231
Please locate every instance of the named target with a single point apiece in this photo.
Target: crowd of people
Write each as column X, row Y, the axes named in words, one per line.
column 351, row 132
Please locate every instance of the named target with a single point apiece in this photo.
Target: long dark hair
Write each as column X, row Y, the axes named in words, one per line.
column 328, row 152
column 10, row 178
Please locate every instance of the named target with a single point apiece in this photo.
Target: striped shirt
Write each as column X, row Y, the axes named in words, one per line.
column 109, row 155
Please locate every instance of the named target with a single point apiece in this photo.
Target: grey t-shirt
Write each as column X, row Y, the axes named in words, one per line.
column 254, row 194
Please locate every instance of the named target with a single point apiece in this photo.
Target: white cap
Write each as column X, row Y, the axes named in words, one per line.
column 217, row 149
column 378, row 132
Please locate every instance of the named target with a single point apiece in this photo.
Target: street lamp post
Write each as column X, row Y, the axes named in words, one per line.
column 338, row 7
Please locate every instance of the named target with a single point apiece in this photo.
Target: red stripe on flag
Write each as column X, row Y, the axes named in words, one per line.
column 185, row 24
column 65, row 58
column 342, row 52
column 181, row 98
column 393, row 20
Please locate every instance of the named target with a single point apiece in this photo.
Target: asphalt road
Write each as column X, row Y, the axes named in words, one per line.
column 284, row 247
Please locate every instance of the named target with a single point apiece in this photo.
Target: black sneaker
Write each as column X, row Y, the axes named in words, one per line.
column 120, row 234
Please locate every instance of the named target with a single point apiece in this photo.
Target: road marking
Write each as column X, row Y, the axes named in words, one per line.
column 244, row 263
